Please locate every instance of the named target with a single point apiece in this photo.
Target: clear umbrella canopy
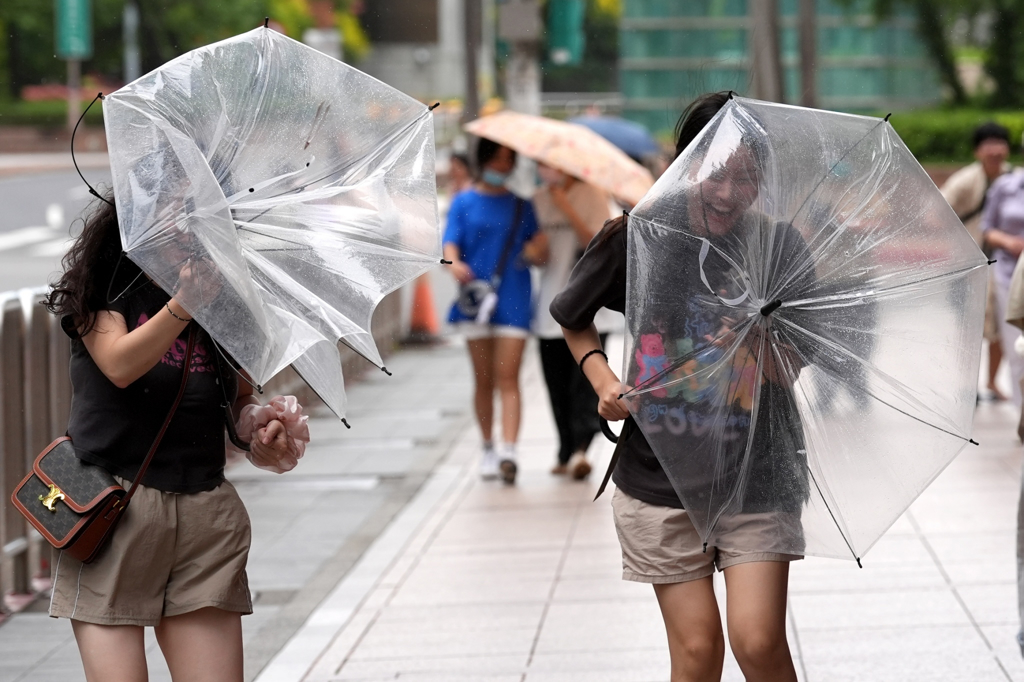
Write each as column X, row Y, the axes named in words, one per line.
column 279, row 194
column 804, row 316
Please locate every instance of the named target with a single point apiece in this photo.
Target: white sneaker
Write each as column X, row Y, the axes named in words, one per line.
column 489, row 469
column 507, row 464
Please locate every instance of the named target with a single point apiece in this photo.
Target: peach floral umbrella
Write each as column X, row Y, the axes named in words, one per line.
column 570, row 148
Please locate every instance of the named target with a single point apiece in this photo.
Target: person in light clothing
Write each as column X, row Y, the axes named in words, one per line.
column 569, row 212
column 966, row 191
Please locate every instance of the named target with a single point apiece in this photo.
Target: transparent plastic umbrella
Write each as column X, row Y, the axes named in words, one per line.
column 292, row 189
column 804, row 320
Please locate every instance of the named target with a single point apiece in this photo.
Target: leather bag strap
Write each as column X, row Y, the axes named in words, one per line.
column 186, row 366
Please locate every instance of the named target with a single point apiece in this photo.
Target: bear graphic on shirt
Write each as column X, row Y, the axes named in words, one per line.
column 651, row 361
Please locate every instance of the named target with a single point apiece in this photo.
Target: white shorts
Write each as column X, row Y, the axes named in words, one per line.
column 474, row 332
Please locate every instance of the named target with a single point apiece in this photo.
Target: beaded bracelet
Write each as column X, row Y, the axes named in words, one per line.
column 177, row 317
column 589, row 353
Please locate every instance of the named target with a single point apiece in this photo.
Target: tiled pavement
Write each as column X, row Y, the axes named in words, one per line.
column 469, row 580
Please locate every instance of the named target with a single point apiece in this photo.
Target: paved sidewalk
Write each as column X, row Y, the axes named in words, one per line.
column 384, row 557
column 522, row 585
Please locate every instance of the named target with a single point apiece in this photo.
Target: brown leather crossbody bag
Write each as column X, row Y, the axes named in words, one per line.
column 76, row 505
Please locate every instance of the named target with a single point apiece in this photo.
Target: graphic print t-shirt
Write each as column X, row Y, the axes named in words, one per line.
column 114, row 427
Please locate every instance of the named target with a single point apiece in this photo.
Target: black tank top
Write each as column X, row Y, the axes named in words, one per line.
column 114, row 427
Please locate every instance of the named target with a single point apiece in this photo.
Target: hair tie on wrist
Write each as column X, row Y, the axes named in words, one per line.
column 177, row 317
column 589, row 353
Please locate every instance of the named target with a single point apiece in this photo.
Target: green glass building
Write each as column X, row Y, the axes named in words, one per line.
column 673, row 50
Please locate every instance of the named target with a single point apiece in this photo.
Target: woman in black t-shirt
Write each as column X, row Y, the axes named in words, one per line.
column 660, row 544
column 177, row 559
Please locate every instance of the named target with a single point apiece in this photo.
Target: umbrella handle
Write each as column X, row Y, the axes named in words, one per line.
column 607, row 431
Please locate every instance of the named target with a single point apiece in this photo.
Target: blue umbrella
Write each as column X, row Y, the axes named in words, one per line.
column 628, row 136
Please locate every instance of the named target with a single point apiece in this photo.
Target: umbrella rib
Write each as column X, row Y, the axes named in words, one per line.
column 875, row 171
column 842, row 534
column 830, row 170
column 745, row 466
column 385, row 143
column 265, row 230
column 871, row 368
column 877, row 293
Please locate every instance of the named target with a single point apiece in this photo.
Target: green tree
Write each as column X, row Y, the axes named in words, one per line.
column 166, row 30
column 170, row 29
column 1004, row 53
column 934, row 18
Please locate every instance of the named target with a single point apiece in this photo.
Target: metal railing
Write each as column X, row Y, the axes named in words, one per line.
column 35, row 401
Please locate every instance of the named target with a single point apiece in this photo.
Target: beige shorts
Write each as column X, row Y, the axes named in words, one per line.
column 660, row 544
column 171, row 554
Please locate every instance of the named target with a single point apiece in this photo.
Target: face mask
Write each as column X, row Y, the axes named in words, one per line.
column 493, row 177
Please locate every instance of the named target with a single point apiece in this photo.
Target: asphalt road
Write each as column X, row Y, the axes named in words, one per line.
column 36, row 222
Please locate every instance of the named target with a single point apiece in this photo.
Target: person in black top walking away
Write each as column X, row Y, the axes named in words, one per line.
column 177, row 559
column 659, row 542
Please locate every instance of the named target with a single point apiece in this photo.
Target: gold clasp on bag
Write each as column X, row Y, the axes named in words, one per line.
column 51, row 498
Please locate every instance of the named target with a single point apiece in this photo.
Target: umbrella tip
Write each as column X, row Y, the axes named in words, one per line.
column 973, row 442
column 887, row 116
column 445, row 262
column 266, row 24
column 730, row 94
column 385, row 370
column 345, row 422
column 433, row 106
column 992, row 261
column 705, row 548
column 859, row 565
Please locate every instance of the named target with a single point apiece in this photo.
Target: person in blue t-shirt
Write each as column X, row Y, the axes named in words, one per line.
column 488, row 225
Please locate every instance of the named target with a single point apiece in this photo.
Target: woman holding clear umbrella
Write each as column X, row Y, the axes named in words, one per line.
column 660, row 544
column 177, row 559
column 490, row 243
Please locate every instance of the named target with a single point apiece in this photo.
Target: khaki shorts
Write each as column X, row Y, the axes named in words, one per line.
column 660, row 544
column 171, row 554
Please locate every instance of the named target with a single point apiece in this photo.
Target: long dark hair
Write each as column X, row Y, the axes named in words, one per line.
column 89, row 269
column 692, row 121
column 696, row 116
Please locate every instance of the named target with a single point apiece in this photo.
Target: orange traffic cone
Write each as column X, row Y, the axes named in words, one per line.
column 423, row 326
